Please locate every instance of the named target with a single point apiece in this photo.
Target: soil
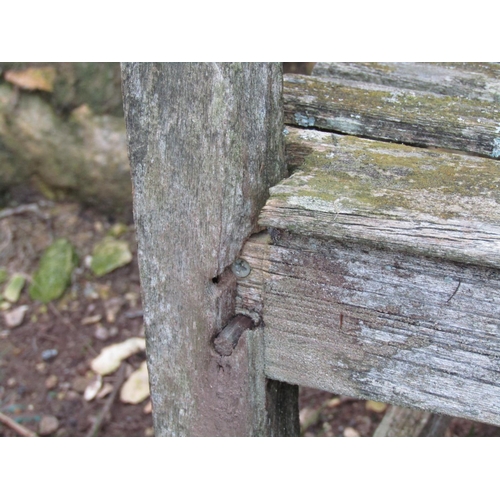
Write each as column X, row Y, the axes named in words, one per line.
column 32, row 388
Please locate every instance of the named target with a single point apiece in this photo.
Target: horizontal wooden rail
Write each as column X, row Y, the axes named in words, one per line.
column 421, row 105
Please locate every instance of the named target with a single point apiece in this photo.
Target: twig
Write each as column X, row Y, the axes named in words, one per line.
column 22, row 209
column 120, row 378
column 20, row 429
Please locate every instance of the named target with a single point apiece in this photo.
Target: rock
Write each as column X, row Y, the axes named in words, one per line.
column 112, row 307
column 79, row 384
column 48, row 425
column 351, row 432
column 15, row 317
column 101, row 333
column 51, row 381
column 49, row 354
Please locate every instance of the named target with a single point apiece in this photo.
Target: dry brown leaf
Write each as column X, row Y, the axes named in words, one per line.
column 110, row 357
column 33, row 78
column 375, row 406
column 136, row 388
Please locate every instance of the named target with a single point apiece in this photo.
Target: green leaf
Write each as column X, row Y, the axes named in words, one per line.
column 54, row 272
column 109, row 254
column 13, row 289
column 3, row 275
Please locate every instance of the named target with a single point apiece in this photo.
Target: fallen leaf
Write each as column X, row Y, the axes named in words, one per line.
column 15, row 317
column 107, row 388
column 90, row 320
column 3, row 275
column 111, row 356
column 33, row 78
column 375, row 406
column 14, row 287
column 93, row 388
column 54, row 272
column 136, row 388
column 109, row 254
column 148, row 408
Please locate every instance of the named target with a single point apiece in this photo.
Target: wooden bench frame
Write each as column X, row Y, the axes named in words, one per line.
column 205, row 147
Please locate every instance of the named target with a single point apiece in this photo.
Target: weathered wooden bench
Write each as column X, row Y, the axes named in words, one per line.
column 367, row 263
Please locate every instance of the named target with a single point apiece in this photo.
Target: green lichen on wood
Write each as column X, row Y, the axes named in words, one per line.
column 54, row 271
column 391, row 113
column 377, row 177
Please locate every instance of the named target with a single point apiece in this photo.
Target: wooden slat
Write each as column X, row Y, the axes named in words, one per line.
column 379, row 276
column 397, row 197
column 367, row 323
column 468, row 123
column 467, row 80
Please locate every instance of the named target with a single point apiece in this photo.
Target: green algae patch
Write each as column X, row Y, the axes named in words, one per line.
column 14, row 287
column 110, row 254
column 54, row 271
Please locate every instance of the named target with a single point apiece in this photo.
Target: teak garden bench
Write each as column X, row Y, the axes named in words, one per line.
column 355, row 250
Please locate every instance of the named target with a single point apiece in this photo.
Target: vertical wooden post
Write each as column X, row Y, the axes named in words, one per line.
column 205, row 145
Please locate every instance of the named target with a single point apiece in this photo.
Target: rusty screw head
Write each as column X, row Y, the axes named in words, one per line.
column 241, row 268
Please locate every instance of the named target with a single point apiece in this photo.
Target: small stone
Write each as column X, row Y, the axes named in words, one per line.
column 148, row 408
column 72, row 396
column 101, row 333
column 41, row 367
column 49, row 354
column 113, row 331
column 112, row 307
column 48, row 425
column 149, row 432
column 51, row 381
column 333, row 403
column 80, row 384
column 351, row 432
column 90, row 320
column 15, row 317
column 11, row 382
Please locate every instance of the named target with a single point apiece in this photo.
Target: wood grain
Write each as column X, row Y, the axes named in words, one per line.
column 353, row 320
column 465, row 119
column 390, row 196
column 205, row 145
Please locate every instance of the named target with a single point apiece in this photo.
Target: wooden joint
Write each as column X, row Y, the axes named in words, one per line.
column 227, row 339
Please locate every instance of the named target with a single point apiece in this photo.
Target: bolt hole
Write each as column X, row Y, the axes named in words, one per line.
column 215, row 280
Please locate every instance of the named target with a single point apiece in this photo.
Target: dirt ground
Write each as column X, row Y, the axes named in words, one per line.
column 46, row 396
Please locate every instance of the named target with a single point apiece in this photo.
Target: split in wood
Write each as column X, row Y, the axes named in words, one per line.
column 228, row 338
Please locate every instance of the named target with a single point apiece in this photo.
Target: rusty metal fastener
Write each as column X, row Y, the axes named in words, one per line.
column 228, row 338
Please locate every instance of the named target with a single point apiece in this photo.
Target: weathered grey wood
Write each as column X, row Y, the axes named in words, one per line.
column 467, row 80
column 205, row 144
column 375, row 324
column 380, row 275
column 406, row 422
column 391, row 196
column 395, row 114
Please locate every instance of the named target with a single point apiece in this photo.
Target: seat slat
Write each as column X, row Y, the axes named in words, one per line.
column 469, row 123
